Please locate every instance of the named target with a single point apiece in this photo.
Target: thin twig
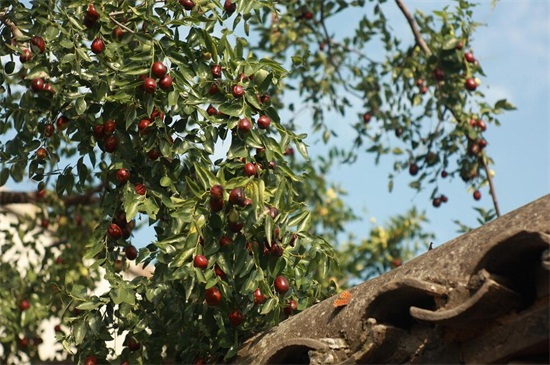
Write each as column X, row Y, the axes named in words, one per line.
column 120, row 24
column 491, row 186
column 330, row 55
column 417, row 36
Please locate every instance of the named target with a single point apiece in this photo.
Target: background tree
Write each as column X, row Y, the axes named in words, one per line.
column 166, row 114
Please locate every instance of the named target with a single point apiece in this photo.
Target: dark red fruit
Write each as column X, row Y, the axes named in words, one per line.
column 109, row 127
column 40, row 194
column 436, row 202
column 91, row 16
column 166, row 82
column 200, row 261
column 216, row 191
column 424, row 90
column 122, row 175
column 131, row 252
column 244, row 125
column 477, row 195
column 216, row 71
column 237, row 91
column 419, row 82
column 264, row 122
column 133, row 345
column 98, row 131
column 470, row 84
column 413, row 169
column 250, row 169
column 290, row 307
column 153, row 154
column 140, row 189
column 229, row 7
column 481, row 125
column 90, row 359
column 24, row 342
column 213, row 296
column 289, row 151
column 216, row 204
column 143, row 125
column 308, row 15
column 281, row 284
column 460, row 45
column 37, row 341
column 366, row 118
column 149, row 85
column 439, row 74
column 469, row 56
column 273, row 212
column 57, row 328
column 25, row 56
column 213, row 90
column 482, row 143
column 236, row 317
column 444, row 174
column 111, row 143
column 37, row 84
column 219, row 272
column 48, row 130
column 235, row 227
column 118, row 33
column 187, row 4
column 259, row 298
column 276, row 250
column 98, row 46
column 444, row 199
column 39, row 43
column 224, row 241
column 264, row 99
column 24, row 305
column 62, row 122
column 236, row 196
column 158, row 69
column 211, row 110
column 114, row 231
column 41, row 153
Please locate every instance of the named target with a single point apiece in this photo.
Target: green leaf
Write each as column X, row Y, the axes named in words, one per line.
column 504, row 104
column 269, row 305
column 79, row 332
column 80, row 106
column 302, row 148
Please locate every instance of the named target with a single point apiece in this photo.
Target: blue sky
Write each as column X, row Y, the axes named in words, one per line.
column 513, row 50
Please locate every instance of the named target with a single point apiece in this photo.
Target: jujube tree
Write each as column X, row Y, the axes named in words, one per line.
column 166, row 114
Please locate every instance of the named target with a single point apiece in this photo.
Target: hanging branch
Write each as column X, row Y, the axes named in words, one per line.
column 417, row 36
column 422, row 44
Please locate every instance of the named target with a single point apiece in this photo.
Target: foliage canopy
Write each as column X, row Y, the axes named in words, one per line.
column 166, row 114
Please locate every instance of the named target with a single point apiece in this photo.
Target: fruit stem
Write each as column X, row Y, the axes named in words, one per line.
column 417, row 36
column 491, row 186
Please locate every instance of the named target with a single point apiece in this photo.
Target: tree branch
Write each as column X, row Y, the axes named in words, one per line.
column 25, row 197
column 491, row 186
column 422, row 44
column 17, row 34
column 417, row 36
